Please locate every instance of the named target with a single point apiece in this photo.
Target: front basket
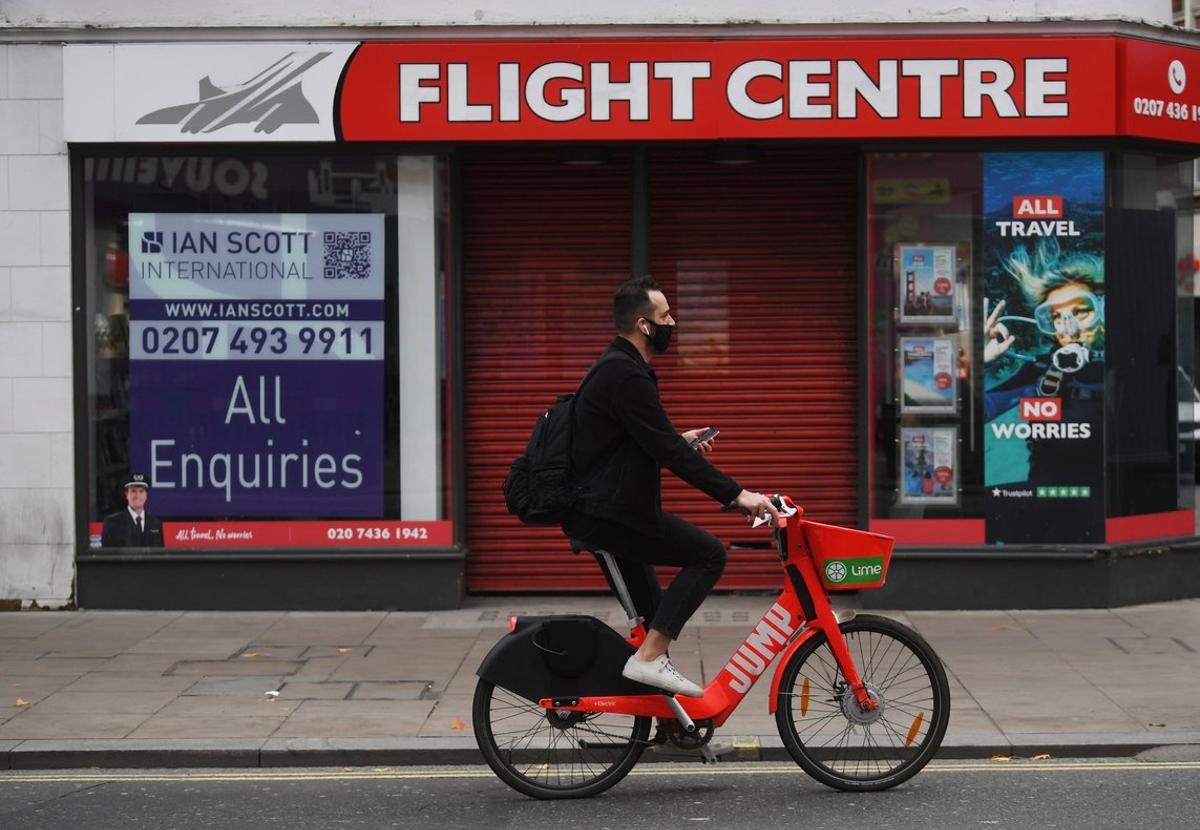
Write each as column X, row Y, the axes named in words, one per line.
column 848, row 559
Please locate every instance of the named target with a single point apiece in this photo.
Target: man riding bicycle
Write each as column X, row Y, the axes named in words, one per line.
column 622, row 439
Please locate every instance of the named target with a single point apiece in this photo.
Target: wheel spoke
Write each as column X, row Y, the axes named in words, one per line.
column 815, row 727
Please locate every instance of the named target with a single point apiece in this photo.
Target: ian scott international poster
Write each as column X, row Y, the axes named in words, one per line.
column 256, row 363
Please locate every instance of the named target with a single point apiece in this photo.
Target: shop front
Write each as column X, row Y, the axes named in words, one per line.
column 936, row 286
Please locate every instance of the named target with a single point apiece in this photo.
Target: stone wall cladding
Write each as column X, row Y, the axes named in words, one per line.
column 36, row 427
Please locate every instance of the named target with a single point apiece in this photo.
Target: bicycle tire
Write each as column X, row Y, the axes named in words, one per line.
column 912, row 688
column 543, row 760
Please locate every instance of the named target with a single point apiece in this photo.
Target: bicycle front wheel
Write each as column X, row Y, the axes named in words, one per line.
column 554, row 754
column 829, row 735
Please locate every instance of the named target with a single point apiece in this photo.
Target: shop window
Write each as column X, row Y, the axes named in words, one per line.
column 266, row 350
column 1025, row 347
column 923, row 225
column 1152, row 397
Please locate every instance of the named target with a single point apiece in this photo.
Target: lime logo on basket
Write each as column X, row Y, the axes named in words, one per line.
column 856, row 571
column 835, row 571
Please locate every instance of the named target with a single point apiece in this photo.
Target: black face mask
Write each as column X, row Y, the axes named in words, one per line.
column 661, row 339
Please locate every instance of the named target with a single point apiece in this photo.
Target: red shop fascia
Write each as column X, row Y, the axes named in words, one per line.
column 818, row 88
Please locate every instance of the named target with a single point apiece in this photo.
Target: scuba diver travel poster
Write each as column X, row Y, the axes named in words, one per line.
column 1043, row 354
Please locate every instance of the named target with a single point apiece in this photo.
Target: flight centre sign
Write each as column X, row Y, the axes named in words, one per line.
column 644, row 89
column 755, row 89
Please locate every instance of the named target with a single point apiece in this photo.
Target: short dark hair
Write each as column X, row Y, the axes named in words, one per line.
column 632, row 301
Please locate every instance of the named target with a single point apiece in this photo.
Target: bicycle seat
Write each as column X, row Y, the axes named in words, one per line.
column 580, row 546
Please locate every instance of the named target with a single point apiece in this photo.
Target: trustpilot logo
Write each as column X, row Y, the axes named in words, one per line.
column 269, row 100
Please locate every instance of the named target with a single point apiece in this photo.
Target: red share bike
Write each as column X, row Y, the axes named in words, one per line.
column 861, row 701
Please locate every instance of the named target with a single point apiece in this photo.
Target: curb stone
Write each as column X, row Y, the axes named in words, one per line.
column 381, row 752
column 396, row 752
column 132, row 754
column 5, row 748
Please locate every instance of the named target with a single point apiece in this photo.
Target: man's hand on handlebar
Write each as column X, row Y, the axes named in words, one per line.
column 756, row 506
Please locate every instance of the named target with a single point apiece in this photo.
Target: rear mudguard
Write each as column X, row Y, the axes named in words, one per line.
column 535, row 664
column 785, row 658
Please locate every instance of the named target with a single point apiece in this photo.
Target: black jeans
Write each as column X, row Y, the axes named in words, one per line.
column 700, row 555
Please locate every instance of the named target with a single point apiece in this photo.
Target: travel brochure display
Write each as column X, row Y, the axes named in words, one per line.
column 928, row 456
column 927, row 377
column 930, row 292
column 927, row 283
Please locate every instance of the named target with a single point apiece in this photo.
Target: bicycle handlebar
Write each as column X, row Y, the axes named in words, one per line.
column 781, row 503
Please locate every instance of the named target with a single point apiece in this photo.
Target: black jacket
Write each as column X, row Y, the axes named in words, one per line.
column 622, row 439
column 120, row 531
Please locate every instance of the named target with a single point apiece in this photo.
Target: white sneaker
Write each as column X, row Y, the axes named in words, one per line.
column 660, row 674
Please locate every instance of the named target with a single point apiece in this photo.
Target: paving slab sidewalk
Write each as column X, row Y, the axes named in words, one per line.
column 190, row 689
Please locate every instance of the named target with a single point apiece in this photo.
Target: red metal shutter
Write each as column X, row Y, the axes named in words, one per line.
column 758, row 262
column 544, row 246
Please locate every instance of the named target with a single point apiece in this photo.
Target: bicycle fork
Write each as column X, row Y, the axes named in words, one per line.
column 815, row 602
column 841, row 653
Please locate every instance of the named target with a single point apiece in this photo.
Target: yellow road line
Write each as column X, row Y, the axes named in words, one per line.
column 647, row 771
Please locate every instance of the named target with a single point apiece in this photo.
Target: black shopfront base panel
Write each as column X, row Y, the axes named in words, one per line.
column 425, row 581
column 985, row 580
column 917, row 580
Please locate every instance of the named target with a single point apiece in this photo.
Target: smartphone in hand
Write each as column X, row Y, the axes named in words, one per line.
column 707, row 435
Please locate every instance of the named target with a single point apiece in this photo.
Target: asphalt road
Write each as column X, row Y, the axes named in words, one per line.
column 1092, row 794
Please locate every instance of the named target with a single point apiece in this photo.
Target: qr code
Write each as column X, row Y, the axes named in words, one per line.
column 347, row 255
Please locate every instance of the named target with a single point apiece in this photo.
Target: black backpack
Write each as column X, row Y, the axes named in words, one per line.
column 541, row 487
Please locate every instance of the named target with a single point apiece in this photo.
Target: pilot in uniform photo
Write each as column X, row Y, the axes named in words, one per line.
column 133, row 527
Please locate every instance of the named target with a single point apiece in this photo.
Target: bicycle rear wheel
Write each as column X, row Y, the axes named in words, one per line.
column 554, row 754
column 843, row 747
